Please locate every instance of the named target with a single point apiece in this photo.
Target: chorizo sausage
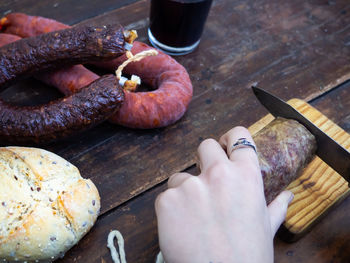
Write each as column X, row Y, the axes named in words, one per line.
column 164, row 105
column 28, row 26
column 7, row 39
column 63, row 117
column 158, row 108
column 51, row 50
column 284, row 148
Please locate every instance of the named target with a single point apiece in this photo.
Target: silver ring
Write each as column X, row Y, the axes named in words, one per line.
column 242, row 143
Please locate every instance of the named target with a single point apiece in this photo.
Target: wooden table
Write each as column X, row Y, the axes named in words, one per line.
column 294, row 49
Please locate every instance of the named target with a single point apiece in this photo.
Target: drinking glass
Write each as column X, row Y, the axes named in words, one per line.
column 176, row 26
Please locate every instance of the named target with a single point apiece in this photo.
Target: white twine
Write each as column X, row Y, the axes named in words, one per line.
column 110, row 245
column 160, row 258
column 134, row 58
column 120, row 241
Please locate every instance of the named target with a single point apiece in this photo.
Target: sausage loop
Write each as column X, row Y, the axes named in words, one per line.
column 131, row 84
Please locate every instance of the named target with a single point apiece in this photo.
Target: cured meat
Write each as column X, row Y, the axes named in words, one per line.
column 55, row 49
column 74, row 113
column 61, row 118
column 67, row 79
column 284, row 148
column 171, row 84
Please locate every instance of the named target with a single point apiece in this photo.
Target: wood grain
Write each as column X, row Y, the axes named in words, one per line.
column 281, row 45
column 291, row 48
column 221, row 97
column 67, row 11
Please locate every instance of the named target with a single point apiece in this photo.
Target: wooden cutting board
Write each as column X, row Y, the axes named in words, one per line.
column 319, row 188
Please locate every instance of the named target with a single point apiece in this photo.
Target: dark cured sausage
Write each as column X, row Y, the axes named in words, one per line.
column 67, row 79
column 52, row 50
column 80, row 111
column 158, row 108
column 61, row 118
column 284, row 148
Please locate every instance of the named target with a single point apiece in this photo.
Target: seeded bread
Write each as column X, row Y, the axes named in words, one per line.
column 46, row 207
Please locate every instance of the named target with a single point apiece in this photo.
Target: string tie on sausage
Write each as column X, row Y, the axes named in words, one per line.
column 130, row 85
column 130, row 36
column 3, row 23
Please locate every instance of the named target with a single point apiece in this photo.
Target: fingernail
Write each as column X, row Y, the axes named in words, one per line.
column 291, row 197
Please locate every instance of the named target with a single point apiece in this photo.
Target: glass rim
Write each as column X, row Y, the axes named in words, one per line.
column 170, row 49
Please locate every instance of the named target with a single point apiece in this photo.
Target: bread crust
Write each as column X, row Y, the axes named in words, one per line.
column 46, row 207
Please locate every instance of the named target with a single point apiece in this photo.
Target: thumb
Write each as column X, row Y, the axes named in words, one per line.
column 278, row 209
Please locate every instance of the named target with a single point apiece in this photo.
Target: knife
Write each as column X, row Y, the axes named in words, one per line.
column 332, row 153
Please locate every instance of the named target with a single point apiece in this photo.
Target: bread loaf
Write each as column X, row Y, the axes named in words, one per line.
column 45, row 205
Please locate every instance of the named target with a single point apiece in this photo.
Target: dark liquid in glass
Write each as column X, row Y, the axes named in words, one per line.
column 178, row 23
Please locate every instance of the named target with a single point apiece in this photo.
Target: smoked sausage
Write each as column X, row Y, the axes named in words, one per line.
column 56, row 49
column 67, row 79
column 160, row 107
column 77, row 112
column 61, row 118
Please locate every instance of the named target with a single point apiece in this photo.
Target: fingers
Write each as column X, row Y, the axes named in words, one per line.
column 177, row 179
column 210, row 152
column 278, row 209
column 243, row 154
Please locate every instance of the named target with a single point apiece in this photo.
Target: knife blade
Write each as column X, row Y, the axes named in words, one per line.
column 332, row 153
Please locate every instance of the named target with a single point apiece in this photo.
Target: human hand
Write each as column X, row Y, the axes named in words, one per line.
column 220, row 215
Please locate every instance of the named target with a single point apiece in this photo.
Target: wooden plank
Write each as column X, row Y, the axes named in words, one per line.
column 125, row 162
column 328, row 241
column 64, row 10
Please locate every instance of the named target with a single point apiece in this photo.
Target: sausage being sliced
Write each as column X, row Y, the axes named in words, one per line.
column 284, row 148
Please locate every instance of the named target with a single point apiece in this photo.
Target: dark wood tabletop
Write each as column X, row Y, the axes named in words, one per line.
column 294, row 49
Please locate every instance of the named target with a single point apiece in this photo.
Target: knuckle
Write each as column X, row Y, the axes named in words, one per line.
column 193, row 187
column 174, row 177
column 165, row 199
column 192, row 181
column 218, row 172
column 239, row 129
column 191, row 184
column 207, row 142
